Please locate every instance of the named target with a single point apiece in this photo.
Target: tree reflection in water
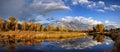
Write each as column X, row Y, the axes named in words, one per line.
column 11, row 42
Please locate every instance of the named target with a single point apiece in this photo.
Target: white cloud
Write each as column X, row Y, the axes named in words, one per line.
column 101, row 3
column 99, row 6
column 74, row 3
column 107, row 21
column 89, row 4
column 83, row 1
column 42, row 7
column 81, row 19
column 100, row 10
column 112, row 7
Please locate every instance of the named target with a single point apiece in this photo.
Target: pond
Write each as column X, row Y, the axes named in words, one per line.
column 84, row 44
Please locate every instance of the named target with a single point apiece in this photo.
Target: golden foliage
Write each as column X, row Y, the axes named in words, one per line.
column 12, row 19
column 24, row 25
column 7, row 25
column 50, row 28
column 30, row 26
column 1, row 24
column 38, row 26
column 98, row 28
column 12, row 24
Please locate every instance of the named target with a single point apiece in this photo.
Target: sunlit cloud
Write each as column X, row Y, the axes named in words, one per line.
column 96, row 5
column 100, row 10
column 81, row 19
column 43, row 7
column 89, row 4
column 112, row 7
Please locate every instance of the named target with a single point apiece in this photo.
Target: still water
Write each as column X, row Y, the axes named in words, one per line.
column 84, row 44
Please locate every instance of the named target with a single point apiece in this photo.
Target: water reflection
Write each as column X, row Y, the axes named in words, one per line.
column 85, row 44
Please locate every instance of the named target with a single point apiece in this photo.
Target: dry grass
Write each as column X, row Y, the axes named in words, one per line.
column 30, row 35
column 59, row 35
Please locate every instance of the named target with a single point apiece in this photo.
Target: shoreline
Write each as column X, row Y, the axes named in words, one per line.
column 32, row 36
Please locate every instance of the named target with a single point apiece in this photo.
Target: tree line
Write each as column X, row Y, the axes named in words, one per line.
column 11, row 23
column 98, row 28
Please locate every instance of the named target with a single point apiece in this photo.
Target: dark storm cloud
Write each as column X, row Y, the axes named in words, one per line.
column 24, row 9
column 11, row 7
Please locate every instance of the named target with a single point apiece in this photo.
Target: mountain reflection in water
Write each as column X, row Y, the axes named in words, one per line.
column 85, row 44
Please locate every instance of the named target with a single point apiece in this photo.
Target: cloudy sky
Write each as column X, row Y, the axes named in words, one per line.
column 90, row 11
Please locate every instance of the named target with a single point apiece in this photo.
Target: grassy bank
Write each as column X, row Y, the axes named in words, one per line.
column 27, row 35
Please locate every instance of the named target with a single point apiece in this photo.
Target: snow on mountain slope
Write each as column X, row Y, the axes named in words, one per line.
column 81, row 23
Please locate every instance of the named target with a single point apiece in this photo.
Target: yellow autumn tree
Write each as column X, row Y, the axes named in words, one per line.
column 34, row 27
column 38, row 26
column 57, row 29
column 24, row 25
column 16, row 26
column 60, row 29
column 1, row 24
column 99, row 27
column 30, row 26
column 42, row 28
column 65, row 29
column 13, row 22
column 50, row 28
column 6, row 25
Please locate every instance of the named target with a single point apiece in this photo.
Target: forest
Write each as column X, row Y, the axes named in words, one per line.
column 12, row 24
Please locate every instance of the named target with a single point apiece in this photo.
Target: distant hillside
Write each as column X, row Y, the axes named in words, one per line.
column 110, row 27
column 72, row 25
column 79, row 23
